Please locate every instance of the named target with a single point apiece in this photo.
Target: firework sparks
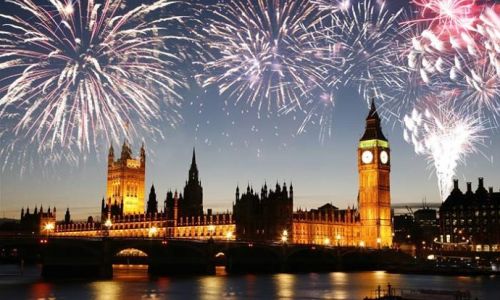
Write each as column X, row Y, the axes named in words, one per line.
column 361, row 39
column 446, row 136
column 80, row 71
column 263, row 51
column 465, row 56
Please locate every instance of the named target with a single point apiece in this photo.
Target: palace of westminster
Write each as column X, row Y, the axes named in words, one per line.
column 267, row 215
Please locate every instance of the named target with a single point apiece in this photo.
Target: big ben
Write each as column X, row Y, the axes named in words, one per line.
column 374, row 167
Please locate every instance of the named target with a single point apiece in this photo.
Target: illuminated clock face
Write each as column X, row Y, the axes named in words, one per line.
column 384, row 157
column 367, row 157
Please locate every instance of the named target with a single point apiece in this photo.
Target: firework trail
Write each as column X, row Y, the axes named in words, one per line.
column 321, row 115
column 80, row 71
column 263, row 52
column 446, row 135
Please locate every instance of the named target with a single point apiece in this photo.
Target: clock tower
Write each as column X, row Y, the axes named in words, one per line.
column 374, row 198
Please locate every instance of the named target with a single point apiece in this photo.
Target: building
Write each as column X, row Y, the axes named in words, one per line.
column 264, row 217
column 268, row 216
column 125, row 185
column 123, row 213
column 39, row 220
column 470, row 219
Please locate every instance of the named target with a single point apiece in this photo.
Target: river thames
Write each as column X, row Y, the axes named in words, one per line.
column 134, row 283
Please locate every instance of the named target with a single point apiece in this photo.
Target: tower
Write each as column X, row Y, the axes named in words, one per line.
column 125, row 182
column 374, row 200
column 192, row 204
column 152, row 202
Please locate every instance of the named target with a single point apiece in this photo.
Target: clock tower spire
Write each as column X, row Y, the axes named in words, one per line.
column 374, row 202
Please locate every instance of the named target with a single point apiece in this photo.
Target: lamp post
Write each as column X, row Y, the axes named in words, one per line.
column 337, row 238
column 284, row 236
column 153, row 230
column 229, row 235
column 49, row 227
column 211, row 230
column 379, row 241
column 107, row 225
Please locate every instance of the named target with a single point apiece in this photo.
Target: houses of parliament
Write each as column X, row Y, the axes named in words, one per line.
column 265, row 215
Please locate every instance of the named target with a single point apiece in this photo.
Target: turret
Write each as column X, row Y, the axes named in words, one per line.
column 67, row 216
column 237, row 193
column 22, row 213
column 291, row 191
column 111, row 155
column 126, row 151
column 152, row 202
column 143, row 155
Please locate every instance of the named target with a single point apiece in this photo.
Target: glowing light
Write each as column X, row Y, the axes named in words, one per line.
column 108, row 223
column 229, row 235
column 152, row 231
column 326, row 241
column 284, row 236
column 49, row 226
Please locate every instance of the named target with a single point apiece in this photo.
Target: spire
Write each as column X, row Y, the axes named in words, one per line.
column 143, row 154
column 126, row 152
column 193, row 162
column 193, row 170
column 373, row 130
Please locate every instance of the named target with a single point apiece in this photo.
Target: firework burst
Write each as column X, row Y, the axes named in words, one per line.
column 460, row 49
column 80, row 71
column 263, row 51
column 446, row 136
column 361, row 39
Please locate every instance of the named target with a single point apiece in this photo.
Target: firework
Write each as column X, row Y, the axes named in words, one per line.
column 447, row 14
column 361, row 39
column 263, row 51
column 80, row 71
column 446, row 135
column 332, row 5
column 465, row 57
column 320, row 115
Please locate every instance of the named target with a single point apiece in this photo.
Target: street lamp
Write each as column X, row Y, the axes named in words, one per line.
column 362, row 244
column 337, row 237
column 379, row 240
column 108, row 225
column 229, row 235
column 153, row 231
column 326, row 241
column 211, row 229
column 284, row 236
column 48, row 228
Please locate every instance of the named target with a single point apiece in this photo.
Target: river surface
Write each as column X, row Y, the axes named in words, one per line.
column 134, row 283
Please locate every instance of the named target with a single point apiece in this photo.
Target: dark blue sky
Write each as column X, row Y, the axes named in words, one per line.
column 239, row 148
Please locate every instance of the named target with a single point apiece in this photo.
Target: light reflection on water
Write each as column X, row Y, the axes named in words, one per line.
column 134, row 283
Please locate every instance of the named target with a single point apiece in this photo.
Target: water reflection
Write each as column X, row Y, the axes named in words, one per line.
column 285, row 284
column 212, row 288
column 41, row 290
column 106, row 290
column 136, row 284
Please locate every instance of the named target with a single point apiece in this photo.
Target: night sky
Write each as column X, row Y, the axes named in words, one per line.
column 236, row 147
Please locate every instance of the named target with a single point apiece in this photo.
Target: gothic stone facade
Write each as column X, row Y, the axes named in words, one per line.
column 265, row 216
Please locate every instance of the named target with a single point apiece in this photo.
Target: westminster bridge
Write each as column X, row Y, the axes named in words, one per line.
column 94, row 257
